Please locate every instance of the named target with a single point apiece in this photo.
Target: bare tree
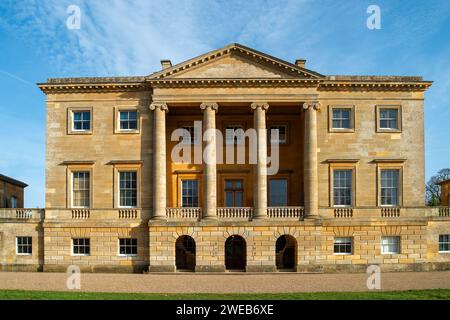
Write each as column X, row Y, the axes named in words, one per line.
column 433, row 189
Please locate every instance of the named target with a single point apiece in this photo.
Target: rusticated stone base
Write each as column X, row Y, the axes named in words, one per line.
column 21, row 268
column 209, row 268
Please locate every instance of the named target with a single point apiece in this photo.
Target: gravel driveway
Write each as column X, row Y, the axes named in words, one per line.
column 224, row 283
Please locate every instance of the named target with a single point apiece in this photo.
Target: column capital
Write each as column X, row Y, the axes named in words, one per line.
column 263, row 105
column 315, row 105
column 159, row 105
column 213, row 105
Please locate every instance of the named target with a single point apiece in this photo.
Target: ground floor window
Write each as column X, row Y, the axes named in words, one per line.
column 444, row 243
column 81, row 247
column 128, row 247
column 390, row 245
column 24, row 245
column 343, row 245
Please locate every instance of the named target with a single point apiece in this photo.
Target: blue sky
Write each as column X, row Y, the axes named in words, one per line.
column 131, row 37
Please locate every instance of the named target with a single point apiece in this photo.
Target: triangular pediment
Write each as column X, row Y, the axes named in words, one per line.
column 235, row 62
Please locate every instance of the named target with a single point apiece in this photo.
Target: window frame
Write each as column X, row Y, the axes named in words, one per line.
column 181, row 191
column 118, row 110
column 379, row 129
column 342, row 165
column 331, row 129
column 71, row 124
column 28, row 245
column 399, row 187
column 398, row 244
column 225, row 190
column 72, row 202
column 343, row 244
column 123, row 170
column 127, row 254
column 444, row 242
column 81, row 254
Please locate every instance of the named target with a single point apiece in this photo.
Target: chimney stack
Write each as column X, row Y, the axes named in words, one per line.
column 166, row 64
column 300, row 63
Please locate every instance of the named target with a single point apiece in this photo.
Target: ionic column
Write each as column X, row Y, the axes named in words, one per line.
column 310, row 180
column 209, row 161
column 159, row 159
column 260, row 176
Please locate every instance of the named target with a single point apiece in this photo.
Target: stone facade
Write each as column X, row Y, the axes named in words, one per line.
column 174, row 215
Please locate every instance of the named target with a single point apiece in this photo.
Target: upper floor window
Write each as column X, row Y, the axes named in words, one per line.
column 24, row 245
column 390, row 245
column 234, row 134
column 81, row 120
column 189, row 193
column 341, row 118
column 342, row 187
column 128, row 120
column 127, row 188
column 282, row 131
column 278, row 192
column 81, row 189
column 234, row 193
column 444, row 243
column 389, row 119
column 190, row 135
column 13, row 202
column 389, row 181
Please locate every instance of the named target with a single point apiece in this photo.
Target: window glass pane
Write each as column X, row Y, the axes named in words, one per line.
column 444, row 242
column 189, row 193
column 388, row 119
column 278, row 192
column 343, row 245
column 128, row 188
column 234, row 190
column 80, row 188
column 341, row 118
column 128, row 120
column 389, row 187
column 81, row 120
column 24, row 245
column 390, row 244
column 342, row 187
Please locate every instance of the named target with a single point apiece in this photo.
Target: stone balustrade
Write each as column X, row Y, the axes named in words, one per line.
column 21, row 214
column 343, row 212
column 286, row 212
column 237, row 213
column 193, row 213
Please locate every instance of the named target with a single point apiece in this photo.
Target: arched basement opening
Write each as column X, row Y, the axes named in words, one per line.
column 235, row 253
column 185, row 253
column 286, row 253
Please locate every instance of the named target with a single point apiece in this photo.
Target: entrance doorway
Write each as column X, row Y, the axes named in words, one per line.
column 286, row 253
column 185, row 253
column 235, row 253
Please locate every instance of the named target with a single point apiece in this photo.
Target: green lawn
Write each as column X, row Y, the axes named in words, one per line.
column 443, row 294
